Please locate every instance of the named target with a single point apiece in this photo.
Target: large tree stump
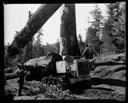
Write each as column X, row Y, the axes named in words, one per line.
column 68, row 41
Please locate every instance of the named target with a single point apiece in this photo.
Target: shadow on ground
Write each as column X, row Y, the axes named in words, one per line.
column 80, row 87
column 114, row 82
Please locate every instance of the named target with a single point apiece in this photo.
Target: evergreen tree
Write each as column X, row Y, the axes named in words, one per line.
column 116, row 25
column 97, row 22
column 58, row 46
column 81, row 43
column 92, row 39
column 107, row 46
column 37, row 46
column 93, row 34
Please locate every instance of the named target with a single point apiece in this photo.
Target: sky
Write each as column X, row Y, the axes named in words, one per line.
column 16, row 16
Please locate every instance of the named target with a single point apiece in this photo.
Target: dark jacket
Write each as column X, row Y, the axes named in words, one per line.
column 88, row 54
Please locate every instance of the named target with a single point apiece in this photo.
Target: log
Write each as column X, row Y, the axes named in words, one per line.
column 109, row 63
column 68, row 38
column 11, row 76
column 15, row 74
column 42, row 66
column 35, row 22
column 115, row 59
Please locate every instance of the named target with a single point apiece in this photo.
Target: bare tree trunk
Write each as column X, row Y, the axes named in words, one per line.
column 36, row 21
column 68, row 41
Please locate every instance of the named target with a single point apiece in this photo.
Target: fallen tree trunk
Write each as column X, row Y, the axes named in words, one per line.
column 110, row 63
column 36, row 21
column 11, row 76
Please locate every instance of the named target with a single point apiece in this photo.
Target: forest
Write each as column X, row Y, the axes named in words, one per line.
column 107, row 37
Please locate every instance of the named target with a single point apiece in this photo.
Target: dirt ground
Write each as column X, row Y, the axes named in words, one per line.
column 33, row 92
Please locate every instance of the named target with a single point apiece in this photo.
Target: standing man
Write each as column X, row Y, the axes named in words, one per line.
column 21, row 78
column 88, row 52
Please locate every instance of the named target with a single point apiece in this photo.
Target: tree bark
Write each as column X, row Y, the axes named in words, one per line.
column 68, row 38
column 35, row 22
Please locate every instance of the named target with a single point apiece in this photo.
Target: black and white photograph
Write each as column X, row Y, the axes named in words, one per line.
column 65, row 51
